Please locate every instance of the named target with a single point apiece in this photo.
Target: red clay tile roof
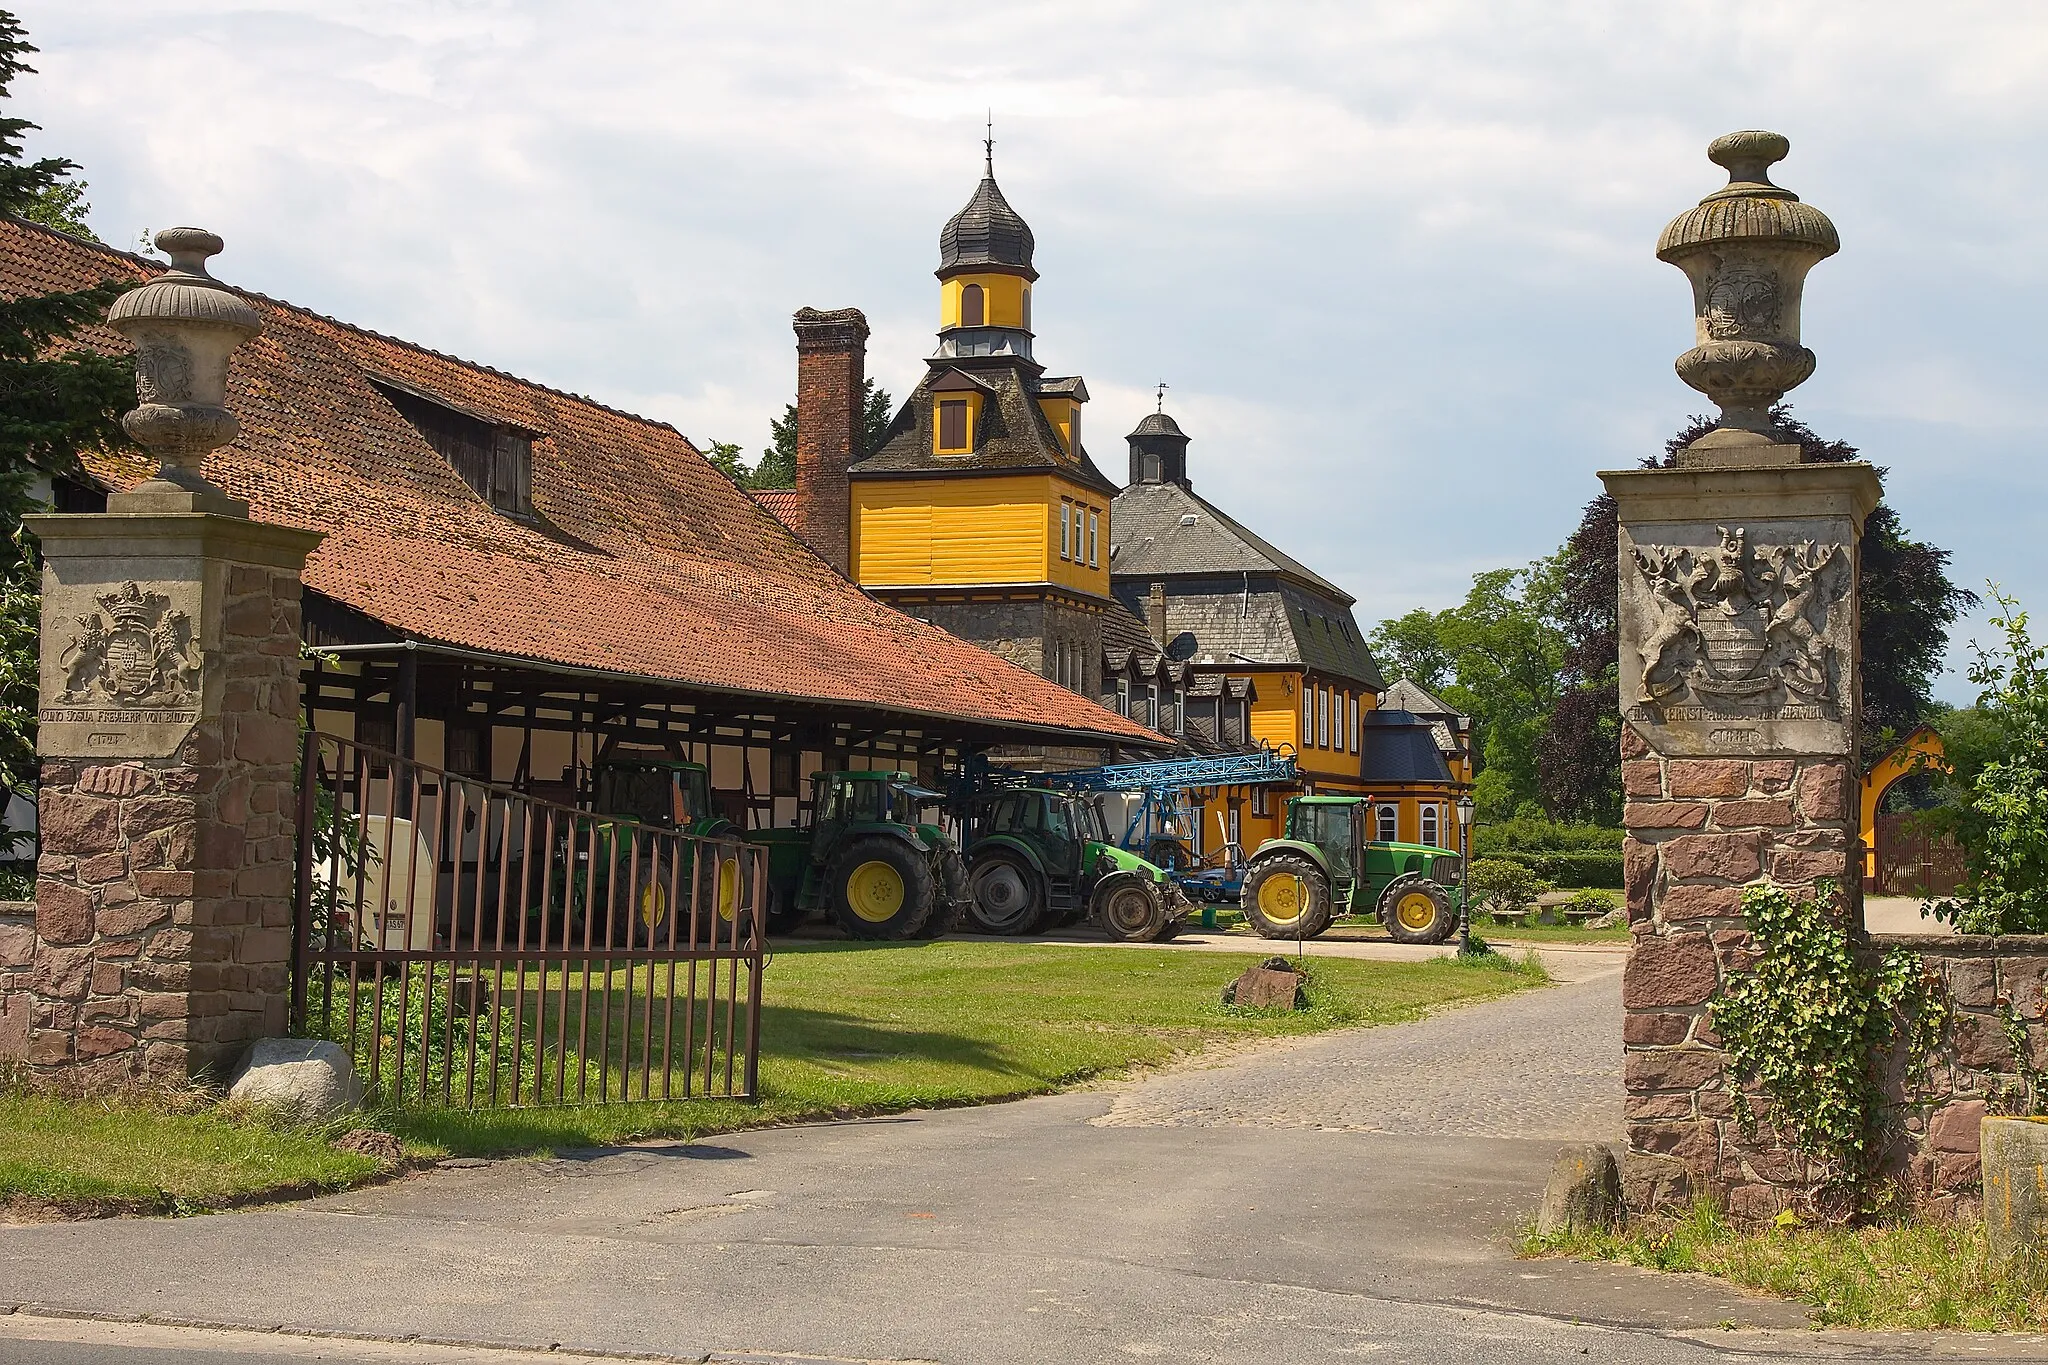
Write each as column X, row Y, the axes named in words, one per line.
column 646, row 562
column 780, row 501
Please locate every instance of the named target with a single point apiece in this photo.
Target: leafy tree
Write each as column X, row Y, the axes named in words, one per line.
column 777, row 468
column 725, row 458
column 61, row 206
column 2001, row 816
column 1495, row 656
column 56, row 400
column 1908, row 604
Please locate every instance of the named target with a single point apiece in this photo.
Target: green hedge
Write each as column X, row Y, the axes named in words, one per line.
column 1576, row 868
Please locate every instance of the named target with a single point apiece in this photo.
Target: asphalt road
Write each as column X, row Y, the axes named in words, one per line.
column 1327, row 1199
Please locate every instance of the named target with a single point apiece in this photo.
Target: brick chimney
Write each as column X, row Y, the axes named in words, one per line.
column 1155, row 612
column 831, row 354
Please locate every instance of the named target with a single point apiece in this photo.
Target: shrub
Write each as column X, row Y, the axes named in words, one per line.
column 1500, row 884
column 1578, row 868
column 1588, row 898
column 1526, row 834
column 2001, row 819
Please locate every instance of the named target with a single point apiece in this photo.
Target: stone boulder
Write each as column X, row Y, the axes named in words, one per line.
column 1584, row 1193
column 2014, row 1153
column 311, row 1080
column 1272, row 985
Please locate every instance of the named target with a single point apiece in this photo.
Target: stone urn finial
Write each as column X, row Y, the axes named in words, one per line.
column 1747, row 248
column 184, row 324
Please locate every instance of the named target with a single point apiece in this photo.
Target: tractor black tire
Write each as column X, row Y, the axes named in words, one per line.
column 950, row 890
column 1130, row 909
column 1417, row 910
column 1267, row 902
column 1007, row 895
column 881, row 888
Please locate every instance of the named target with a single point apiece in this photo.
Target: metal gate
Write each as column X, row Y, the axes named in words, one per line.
column 1912, row 860
column 472, row 946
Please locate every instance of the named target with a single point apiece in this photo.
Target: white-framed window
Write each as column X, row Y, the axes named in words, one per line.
column 1388, row 826
column 1354, row 725
column 1123, row 696
column 1236, row 837
column 1180, row 710
column 1308, row 715
column 1431, row 823
column 1322, row 717
column 1094, row 524
column 1259, row 802
column 1066, row 530
column 1152, row 705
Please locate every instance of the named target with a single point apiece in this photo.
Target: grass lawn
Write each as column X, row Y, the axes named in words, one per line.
column 87, row 1157
column 1922, row 1274
column 1546, row 933
column 847, row 1029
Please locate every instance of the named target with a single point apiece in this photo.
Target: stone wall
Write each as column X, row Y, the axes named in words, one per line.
column 1700, row 830
column 1975, row 1070
column 161, row 938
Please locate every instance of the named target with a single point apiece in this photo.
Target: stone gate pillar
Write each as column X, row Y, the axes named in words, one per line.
column 168, row 731
column 1739, row 681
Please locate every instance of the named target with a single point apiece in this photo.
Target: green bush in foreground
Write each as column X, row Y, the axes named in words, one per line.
column 1917, row 1274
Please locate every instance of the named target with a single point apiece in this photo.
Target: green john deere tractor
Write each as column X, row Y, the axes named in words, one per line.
column 870, row 858
column 633, row 883
column 1037, row 859
column 1294, row 886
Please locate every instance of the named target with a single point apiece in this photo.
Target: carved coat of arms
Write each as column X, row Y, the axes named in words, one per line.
column 1736, row 625
column 136, row 650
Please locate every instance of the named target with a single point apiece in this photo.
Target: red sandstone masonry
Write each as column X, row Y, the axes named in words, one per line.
column 1726, row 823
column 162, row 904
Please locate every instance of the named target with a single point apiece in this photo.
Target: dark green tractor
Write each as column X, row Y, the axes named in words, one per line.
column 635, row 879
column 1294, row 886
column 874, row 857
column 1038, row 859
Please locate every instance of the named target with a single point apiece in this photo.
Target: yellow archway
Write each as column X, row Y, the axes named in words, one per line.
column 1917, row 752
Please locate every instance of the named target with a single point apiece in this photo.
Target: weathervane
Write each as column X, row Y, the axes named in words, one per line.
column 988, row 146
column 1160, row 406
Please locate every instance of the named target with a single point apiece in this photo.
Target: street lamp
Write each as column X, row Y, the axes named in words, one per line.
column 1464, row 875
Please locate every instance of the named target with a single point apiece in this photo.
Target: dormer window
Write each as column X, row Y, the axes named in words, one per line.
column 953, row 424
column 494, row 458
column 973, row 306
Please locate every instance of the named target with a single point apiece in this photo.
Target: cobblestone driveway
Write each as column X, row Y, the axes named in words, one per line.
column 1545, row 1064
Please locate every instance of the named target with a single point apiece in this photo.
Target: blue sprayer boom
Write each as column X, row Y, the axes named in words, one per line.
column 1161, row 821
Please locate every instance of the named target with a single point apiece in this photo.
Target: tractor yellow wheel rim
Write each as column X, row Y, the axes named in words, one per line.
column 875, row 892
column 1280, row 899
column 728, row 888
column 1415, row 911
column 653, row 905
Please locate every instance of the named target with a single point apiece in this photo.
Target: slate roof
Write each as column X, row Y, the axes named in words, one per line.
column 642, row 559
column 1400, row 749
column 1235, row 623
column 1406, row 695
column 1158, row 424
column 1153, row 538
column 1013, row 434
column 987, row 232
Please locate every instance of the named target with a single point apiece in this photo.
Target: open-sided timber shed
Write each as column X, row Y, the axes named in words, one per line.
column 515, row 580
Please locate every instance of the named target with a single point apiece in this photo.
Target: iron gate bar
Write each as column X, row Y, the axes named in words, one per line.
column 418, row 825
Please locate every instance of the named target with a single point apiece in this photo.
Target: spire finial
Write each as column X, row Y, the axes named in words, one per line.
column 988, row 147
column 1160, row 406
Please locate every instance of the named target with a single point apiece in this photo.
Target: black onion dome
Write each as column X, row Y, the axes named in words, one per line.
column 1158, row 424
column 986, row 233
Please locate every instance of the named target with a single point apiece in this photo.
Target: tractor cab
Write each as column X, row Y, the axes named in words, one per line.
column 664, row 793
column 1325, row 866
column 1038, row 858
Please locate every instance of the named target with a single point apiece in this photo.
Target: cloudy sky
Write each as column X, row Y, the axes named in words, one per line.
column 1394, row 259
